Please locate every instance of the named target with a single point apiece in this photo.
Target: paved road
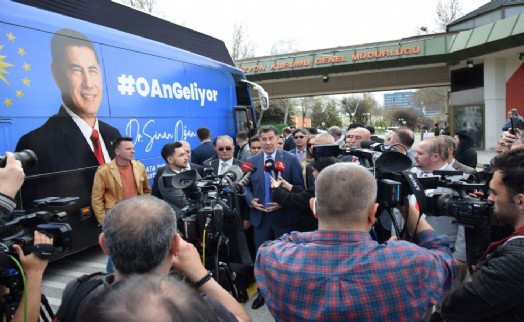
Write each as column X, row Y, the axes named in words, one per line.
column 60, row 272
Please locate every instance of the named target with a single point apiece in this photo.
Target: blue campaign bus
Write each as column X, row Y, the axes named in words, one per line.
column 139, row 75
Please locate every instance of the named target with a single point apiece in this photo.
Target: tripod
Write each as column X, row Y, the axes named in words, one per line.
column 220, row 267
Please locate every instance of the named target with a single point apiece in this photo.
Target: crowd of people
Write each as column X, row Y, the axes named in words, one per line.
column 301, row 218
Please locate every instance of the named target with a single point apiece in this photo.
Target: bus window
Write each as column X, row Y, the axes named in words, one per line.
column 244, row 120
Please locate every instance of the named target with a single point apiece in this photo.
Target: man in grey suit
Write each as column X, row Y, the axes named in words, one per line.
column 225, row 149
column 451, row 146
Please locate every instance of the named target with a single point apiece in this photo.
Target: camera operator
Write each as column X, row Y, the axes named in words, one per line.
column 141, row 237
column 11, row 179
column 177, row 160
column 310, row 277
column 34, row 268
column 496, row 291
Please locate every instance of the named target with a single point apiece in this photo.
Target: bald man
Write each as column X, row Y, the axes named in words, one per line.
column 310, row 277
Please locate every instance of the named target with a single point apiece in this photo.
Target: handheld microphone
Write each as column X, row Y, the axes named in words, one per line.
column 269, row 166
column 279, row 168
column 248, row 169
column 374, row 146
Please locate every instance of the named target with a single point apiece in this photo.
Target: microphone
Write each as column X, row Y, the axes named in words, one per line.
column 279, row 168
column 248, row 169
column 374, row 146
column 269, row 166
column 232, row 174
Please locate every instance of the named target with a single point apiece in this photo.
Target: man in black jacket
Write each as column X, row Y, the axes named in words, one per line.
column 297, row 197
column 205, row 150
column 496, row 291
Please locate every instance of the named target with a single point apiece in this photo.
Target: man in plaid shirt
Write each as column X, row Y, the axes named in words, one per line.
column 339, row 273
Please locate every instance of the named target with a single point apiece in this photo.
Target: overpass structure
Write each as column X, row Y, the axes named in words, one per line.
column 414, row 62
column 480, row 58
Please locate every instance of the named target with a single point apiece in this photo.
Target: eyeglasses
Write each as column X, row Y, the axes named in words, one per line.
column 299, row 137
column 227, row 148
column 310, row 145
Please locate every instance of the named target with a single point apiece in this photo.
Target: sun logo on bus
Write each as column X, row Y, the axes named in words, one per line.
column 13, row 79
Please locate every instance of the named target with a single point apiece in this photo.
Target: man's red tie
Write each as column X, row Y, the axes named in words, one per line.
column 97, row 147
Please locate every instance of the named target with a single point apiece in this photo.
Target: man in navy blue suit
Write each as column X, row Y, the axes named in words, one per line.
column 268, row 218
column 205, row 150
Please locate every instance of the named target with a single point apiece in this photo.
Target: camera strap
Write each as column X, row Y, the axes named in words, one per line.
column 416, row 189
column 43, row 251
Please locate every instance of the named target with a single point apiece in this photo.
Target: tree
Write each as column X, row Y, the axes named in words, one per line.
column 325, row 114
column 144, row 5
column 403, row 117
column 358, row 108
column 432, row 99
column 447, row 12
column 241, row 47
column 284, row 47
column 305, row 108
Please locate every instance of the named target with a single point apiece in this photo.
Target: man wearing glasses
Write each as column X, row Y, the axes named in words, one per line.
column 225, row 149
column 299, row 138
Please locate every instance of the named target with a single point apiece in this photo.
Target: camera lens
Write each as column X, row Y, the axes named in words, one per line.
column 26, row 157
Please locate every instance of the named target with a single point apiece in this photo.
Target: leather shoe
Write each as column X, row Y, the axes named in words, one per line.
column 258, row 302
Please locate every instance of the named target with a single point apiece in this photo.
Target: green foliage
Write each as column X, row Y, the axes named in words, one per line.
column 325, row 114
column 359, row 108
column 275, row 114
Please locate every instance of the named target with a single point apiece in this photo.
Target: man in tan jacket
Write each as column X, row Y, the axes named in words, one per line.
column 118, row 180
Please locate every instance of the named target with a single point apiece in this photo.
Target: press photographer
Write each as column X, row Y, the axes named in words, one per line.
column 394, row 281
column 11, row 179
column 140, row 235
column 495, row 292
column 33, row 267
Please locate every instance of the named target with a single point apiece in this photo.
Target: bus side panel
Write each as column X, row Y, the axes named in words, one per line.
column 158, row 100
column 168, row 100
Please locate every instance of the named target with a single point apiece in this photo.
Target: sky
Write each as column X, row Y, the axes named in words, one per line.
column 308, row 24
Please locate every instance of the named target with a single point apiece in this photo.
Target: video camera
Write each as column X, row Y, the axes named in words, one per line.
column 449, row 196
column 20, row 231
column 209, row 202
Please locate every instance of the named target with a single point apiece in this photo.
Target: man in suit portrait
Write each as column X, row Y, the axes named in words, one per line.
column 225, row 149
column 74, row 137
column 268, row 218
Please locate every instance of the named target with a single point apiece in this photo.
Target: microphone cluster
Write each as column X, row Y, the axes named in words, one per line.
column 274, row 168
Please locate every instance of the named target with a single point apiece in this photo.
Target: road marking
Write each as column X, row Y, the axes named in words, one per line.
column 54, row 284
column 85, row 264
column 57, row 271
column 54, row 302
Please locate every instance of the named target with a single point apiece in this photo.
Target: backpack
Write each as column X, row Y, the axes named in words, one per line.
column 71, row 300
